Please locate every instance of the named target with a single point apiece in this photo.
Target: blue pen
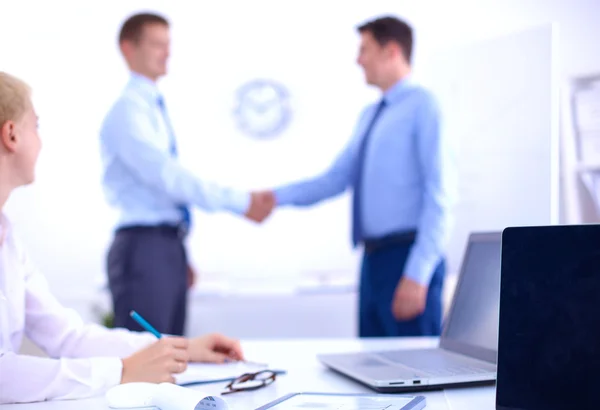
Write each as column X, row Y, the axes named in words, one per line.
column 136, row 316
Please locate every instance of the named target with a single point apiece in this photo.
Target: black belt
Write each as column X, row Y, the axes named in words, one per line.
column 399, row 238
column 165, row 229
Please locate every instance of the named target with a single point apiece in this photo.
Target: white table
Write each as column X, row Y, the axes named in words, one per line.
column 305, row 373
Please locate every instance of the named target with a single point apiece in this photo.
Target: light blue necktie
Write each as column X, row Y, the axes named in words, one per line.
column 185, row 211
column 357, row 227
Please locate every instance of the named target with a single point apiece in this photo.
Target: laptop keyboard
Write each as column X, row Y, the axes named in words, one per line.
column 434, row 362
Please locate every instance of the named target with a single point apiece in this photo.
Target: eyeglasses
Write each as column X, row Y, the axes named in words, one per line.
column 250, row 381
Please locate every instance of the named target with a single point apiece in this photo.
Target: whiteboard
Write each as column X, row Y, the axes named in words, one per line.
column 499, row 102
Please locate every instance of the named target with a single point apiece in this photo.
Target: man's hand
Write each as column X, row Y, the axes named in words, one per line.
column 191, row 276
column 409, row 300
column 261, row 206
column 158, row 362
column 215, row 348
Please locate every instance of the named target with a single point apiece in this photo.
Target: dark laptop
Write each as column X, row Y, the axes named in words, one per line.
column 549, row 333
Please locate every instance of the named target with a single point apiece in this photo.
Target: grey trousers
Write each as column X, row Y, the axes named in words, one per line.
column 147, row 272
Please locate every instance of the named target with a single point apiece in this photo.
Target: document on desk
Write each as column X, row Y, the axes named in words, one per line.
column 336, row 401
column 199, row 373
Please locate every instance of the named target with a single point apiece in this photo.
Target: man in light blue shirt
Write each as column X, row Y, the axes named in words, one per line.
column 147, row 265
column 399, row 166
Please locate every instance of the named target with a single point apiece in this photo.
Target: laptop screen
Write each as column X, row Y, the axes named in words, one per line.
column 472, row 324
column 549, row 338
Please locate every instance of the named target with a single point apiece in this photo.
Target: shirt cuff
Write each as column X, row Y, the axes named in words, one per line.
column 144, row 340
column 420, row 268
column 239, row 202
column 283, row 196
column 108, row 371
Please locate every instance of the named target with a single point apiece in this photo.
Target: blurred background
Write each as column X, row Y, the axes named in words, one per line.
column 515, row 78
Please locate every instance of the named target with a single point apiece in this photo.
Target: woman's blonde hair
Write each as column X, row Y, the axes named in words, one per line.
column 15, row 97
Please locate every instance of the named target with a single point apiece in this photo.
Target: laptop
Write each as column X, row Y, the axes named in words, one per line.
column 549, row 333
column 466, row 354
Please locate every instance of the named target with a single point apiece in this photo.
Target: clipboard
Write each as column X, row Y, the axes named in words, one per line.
column 346, row 401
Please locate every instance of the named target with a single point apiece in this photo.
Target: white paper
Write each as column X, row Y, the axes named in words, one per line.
column 172, row 397
column 202, row 372
column 325, row 402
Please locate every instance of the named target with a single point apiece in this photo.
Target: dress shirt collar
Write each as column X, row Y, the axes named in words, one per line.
column 397, row 90
column 144, row 86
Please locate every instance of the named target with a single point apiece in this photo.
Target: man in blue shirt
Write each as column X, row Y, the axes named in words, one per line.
column 147, row 265
column 400, row 169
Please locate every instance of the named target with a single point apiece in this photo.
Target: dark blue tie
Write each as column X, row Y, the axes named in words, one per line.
column 185, row 211
column 357, row 227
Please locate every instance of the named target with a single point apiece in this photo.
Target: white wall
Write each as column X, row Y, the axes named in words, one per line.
column 500, row 103
column 67, row 51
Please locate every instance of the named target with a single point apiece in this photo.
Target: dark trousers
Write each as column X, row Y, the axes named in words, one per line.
column 381, row 272
column 147, row 272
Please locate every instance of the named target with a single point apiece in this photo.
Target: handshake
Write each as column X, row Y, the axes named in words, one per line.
column 261, row 206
